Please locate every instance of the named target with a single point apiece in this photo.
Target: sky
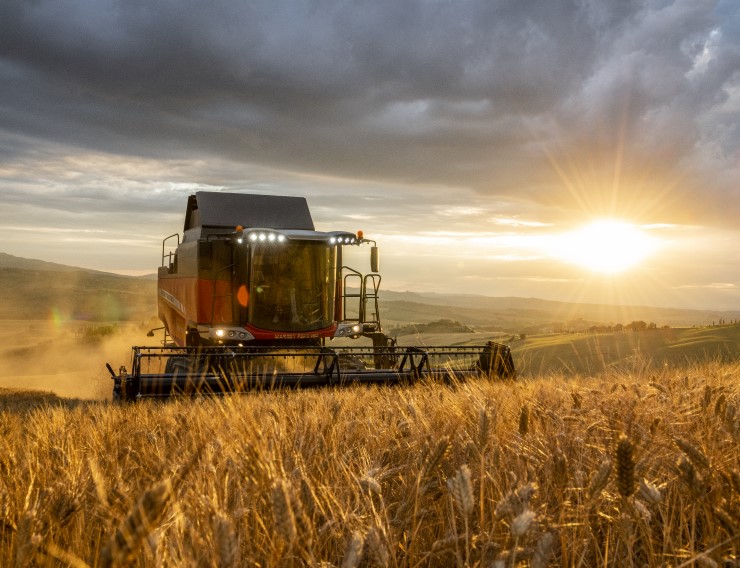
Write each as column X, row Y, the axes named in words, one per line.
column 473, row 140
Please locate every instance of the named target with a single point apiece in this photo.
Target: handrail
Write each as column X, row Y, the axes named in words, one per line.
column 170, row 254
column 366, row 282
column 375, row 278
column 360, row 313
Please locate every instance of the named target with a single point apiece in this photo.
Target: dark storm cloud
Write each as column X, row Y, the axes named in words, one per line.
column 474, row 93
column 513, row 99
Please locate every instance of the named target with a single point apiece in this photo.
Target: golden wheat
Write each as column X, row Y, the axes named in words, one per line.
column 478, row 473
column 136, row 527
column 625, row 466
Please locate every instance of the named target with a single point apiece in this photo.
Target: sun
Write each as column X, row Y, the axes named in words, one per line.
column 607, row 246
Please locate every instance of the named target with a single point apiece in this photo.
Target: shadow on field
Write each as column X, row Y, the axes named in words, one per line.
column 12, row 400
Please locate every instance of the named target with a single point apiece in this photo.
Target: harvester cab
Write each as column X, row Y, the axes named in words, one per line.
column 251, row 294
column 251, row 269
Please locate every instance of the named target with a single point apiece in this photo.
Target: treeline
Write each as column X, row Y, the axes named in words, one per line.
column 439, row 326
column 641, row 326
column 566, row 328
column 632, row 326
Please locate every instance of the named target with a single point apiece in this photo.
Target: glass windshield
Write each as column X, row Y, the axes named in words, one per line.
column 292, row 286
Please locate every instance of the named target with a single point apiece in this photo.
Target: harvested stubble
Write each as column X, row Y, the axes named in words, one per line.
column 425, row 475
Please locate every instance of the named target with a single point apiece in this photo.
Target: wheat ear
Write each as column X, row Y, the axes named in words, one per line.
column 625, row 466
column 136, row 527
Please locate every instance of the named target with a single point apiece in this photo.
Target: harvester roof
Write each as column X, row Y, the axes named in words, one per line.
column 227, row 210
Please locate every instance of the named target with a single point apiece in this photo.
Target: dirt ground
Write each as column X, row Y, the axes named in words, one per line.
column 66, row 358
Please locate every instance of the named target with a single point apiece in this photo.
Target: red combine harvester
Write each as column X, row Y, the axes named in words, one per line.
column 250, row 297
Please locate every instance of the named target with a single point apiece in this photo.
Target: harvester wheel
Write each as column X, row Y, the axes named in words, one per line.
column 178, row 366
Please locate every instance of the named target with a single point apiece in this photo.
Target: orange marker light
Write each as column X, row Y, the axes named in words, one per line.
column 360, row 235
column 242, row 296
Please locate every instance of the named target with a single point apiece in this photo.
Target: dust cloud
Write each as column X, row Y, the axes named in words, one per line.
column 67, row 359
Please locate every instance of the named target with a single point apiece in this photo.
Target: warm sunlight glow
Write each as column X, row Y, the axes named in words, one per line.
column 607, row 246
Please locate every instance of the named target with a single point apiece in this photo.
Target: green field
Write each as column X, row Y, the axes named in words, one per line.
column 589, row 353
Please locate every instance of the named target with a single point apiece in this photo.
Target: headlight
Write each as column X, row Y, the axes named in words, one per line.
column 266, row 237
column 220, row 332
column 356, row 328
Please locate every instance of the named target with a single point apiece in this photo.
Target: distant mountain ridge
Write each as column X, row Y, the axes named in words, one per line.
column 10, row 261
column 523, row 312
column 36, row 289
column 28, row 292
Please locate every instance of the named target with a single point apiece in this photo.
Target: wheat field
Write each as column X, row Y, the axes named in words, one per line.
column 626, row 469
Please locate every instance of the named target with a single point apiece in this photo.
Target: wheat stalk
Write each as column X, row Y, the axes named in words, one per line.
column 282, row 509
column 650, row 492
column 28, row 540
column 559, row 468
column 143, row 518
column 484, row 429
column 353, row 554
column 461, row 489
column 434, row 458
column 376, row 548
column 227, row 541
column 600, row 478
column 697, row 457
column 521, row 523
column 625, row 466
column 524, row 420
column 543, row 550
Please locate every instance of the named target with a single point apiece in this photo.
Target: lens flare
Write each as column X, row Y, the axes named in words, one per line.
column 606, row 246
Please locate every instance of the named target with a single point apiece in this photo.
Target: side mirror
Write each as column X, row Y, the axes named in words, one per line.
column 374, row 259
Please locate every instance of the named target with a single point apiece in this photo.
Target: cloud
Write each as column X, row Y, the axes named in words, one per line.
column 467, row 93
column 429, row 115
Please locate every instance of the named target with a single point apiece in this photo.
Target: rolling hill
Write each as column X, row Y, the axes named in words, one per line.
column 533, row 314
column 35, row 290
column 10, row 261
column 592, row 353
column 73, row 303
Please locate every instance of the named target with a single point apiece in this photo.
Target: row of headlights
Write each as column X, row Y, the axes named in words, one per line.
column 263, row 238
column 343, row 240
column 231, row 334
column 260, row 237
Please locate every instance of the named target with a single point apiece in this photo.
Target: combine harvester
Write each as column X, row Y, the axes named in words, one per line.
column 251, row 296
